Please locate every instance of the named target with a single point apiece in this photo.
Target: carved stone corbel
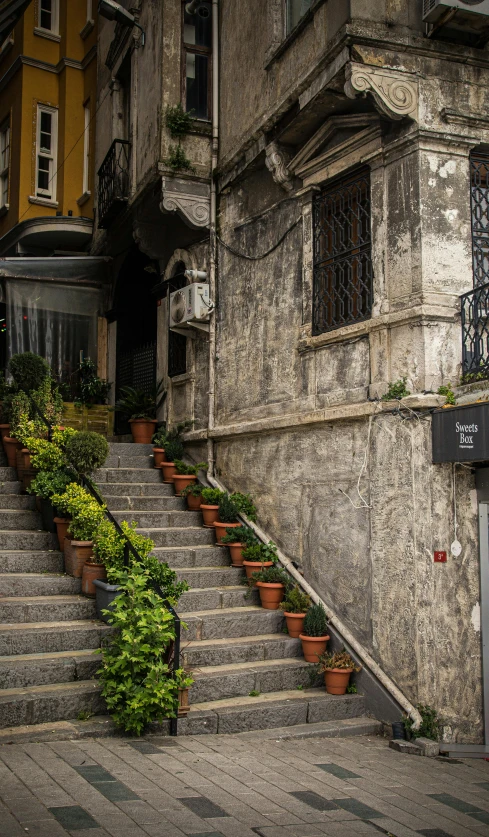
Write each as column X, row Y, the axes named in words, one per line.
column 395, row 94
column 276, row 159
column 190, row 200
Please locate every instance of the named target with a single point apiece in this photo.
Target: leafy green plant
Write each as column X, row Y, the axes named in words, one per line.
column 193, row 488
column 137, row 403
column 211, row 496
column 397, row 390
column 25, row 419
column 261, row 552
column 178, row 121
column 191, row 470
column 448, row 392
column 254, row 693
column 87, row 387
column 86, row 514
column 163, row 435
column 177, row 160
column 137, row 683
column 316, row 621
column 84, row 715
column 351, row 689
column 228, row 511
column 430, row 726
column 341, row 659
column 244, row 505
column 296, row 601
column 87, row 451
column 47, row 483
column 272, row 575
column 240, row 534
column 173, row 450
column 28, row 370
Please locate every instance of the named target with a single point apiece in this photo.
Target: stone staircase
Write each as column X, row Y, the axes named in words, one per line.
column 49, row 634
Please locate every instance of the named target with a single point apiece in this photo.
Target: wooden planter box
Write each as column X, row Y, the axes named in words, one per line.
column 96, row 417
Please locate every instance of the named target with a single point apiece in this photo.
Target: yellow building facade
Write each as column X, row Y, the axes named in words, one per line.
column 48, row 83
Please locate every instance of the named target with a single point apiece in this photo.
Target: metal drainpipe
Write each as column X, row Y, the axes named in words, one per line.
column 213, row 239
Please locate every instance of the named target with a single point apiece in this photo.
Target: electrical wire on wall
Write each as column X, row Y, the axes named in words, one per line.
column 262, row 255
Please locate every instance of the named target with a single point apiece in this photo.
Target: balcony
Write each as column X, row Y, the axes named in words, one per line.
column 113, row 182
column 475, row 334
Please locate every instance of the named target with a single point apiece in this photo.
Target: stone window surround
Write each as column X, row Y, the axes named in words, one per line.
column 280, row 40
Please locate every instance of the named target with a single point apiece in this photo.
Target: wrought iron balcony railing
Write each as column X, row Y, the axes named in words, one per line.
column 113, row 182
column 475, row 333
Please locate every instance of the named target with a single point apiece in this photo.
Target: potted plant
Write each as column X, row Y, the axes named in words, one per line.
column 210, row 505
column 237, row 539
column 186, row 474
column 43, row 486
column 86, row 515
column 173, row 450
column 244, row 504
column 337, row 669
column 314, row 637
column 294, row 608
column 272, row 583
column 62, row 530
column 227, row 517
column 85, row 400
column 141, row 407
column 257, row 556
column 158, row 440
column 193, row 495
column 86, row 451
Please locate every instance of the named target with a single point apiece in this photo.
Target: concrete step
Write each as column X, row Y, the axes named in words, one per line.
column 136, row 489
column 128, row 475
column 54, row 702
column 220, row 682
column 189, row 557
column 246, row 649
column 211, row 598
column 38, row 584
column 231, row 622
column 142, row 462
column 31, row 561
column 203, row 577
column 43, row 637
column 160, row 519
column 46, row 608
column 189, row 536
column 7, row 474
column 11, row 486
column 144, row 504
column 266, row 711
column 28, row 540
column 129, row 449
column 17, row 501
column 23, row 670
column 14, row 519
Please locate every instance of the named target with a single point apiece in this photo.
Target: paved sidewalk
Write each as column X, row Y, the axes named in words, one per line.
column 237, row 786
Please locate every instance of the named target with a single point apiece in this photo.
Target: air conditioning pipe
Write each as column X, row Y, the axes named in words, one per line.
column 192, row 7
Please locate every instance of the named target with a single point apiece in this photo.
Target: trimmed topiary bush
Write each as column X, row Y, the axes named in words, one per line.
column 316, row 621
column 87, row 451
column 28, row 370
column 173, row 450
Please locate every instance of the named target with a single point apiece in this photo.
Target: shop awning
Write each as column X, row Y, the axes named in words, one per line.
column 93, row 269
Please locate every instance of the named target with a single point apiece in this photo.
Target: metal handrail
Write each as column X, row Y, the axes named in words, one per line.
column 128, row 547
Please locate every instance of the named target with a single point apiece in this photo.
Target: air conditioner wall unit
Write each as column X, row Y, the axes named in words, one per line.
column 190, row 304
column 467, row 11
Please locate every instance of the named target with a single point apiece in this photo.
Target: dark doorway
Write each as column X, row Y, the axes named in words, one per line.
column 136, row 315
column 177, row 343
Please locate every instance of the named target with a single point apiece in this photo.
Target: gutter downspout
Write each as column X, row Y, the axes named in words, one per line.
column 213, row 238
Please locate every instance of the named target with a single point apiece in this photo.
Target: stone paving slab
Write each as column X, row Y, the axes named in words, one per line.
column 237, row 786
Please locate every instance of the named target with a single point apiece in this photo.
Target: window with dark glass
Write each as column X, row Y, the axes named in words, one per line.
column 294, row 11
column 342, row 284
column 197, row 40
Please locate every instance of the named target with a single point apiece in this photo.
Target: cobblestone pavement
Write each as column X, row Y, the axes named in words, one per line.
column 237, row 786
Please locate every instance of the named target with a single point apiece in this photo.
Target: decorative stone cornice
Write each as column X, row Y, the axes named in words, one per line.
column 276, row 159
column 189, row 199
column 395, row 94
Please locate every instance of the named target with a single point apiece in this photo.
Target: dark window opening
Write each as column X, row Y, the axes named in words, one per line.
column 197, row 40
column 342, row 285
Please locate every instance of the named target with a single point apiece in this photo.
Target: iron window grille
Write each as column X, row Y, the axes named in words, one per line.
column 113, row 182
column 342, row 283
column 475, row 332
column 479, row 195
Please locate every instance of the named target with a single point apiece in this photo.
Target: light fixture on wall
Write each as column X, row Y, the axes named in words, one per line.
column 197, row 6
column 114, row 11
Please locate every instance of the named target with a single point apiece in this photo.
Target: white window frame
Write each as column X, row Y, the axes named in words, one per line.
column 4, row 162
column 288, row 26
column 52, row 155
column 86, row 149
column 54, row 29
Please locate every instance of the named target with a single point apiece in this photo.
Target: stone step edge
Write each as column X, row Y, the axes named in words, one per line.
column 281, row 698
column 36, row 657
column 83, row 624
column 101, row 726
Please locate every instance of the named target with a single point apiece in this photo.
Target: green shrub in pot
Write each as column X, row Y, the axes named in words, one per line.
column 86, row 514
column 173, row 450
column 240, row 534
column 87, row 451
column 211, row 496
column 194, row 489
column 261, row 552
column 189, row 470
column 244, row 504
column 296, row 601
column 28, row 370
column 47, row 483
column 316, row 621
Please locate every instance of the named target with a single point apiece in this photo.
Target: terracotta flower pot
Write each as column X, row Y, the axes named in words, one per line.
column 336, row 680
column 168, row 470
column 19, row 463
column 90, row 572
column 159, row 456
column 26, row 458
column 270, row 594
column 193, row 502
column 295, row 623
column 255, row 566
column 236, row 551
column 11, row 446
column 81, row 552
column 4, row 430
column 142, row 430
column 180, row 481
column 211, row 514
column 62, row 525
column 313, row 647
column 27, row 477
column 220, row 529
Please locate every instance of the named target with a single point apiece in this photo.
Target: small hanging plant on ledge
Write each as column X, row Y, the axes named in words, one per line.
column 177, row 160
column 178, row 123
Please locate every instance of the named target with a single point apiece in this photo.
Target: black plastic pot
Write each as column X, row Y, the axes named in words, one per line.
column 104, row 596
column 398, row 731
column 48, row 513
